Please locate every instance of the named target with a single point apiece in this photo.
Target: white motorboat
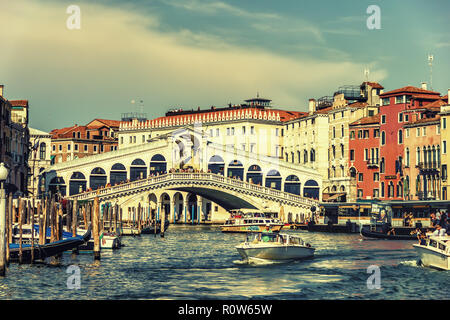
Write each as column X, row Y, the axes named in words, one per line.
column 434, row 252
column 274, row 246
column 250, row 222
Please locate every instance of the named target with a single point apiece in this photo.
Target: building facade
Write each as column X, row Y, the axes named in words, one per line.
column 398, row 107
column 39, row 157
column 98, row 136
column 14, row 148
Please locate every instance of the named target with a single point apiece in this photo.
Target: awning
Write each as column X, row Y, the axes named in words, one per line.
column 329, row 196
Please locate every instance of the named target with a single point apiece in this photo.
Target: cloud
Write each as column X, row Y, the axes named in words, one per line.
column 119, row 55
column 218, row 7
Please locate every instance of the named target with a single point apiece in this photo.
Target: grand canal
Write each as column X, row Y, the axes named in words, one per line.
column 199, row 262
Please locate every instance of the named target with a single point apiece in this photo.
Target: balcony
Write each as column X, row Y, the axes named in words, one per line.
column 429, row 166
column 373, row 162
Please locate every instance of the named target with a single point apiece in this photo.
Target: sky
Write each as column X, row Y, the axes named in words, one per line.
column 193, row 53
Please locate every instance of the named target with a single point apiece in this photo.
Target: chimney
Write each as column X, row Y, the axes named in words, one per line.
column 1, row 90
column 312, row 106
column 424, row 86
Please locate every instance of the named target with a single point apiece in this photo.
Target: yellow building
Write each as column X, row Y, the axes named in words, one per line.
column 445, row 139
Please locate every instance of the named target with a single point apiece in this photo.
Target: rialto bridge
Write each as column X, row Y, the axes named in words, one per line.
column 189, row 178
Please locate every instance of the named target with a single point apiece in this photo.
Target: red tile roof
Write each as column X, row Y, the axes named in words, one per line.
column 19, row 103
column 109, row 123
column 367, row 120
column 409, row 89
column 374, row 85
column 358, row 104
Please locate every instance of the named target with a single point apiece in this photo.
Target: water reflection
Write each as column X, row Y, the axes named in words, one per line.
column 197, row 262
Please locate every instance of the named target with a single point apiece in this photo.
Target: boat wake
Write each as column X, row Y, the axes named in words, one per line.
column 259, row 262
column 411, row 263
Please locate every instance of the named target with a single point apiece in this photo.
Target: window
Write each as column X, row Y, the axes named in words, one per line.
column 334, row 132
column 217, row 132
column 121, row 140
column 359, row 134
column 376, row 133
column 444, row 123
column 400, row 137
column 134, row 139
column 366, row 154
column 143, row 138
column 342, row 151
column 407, row 133
column 228, row 131
column 95, row 148
column 42, row 149
column 85, row 148
column 360, row 193
column 444, row 172
column 68, row 147
column 385, row 102
column 382, row 189
column 399, row 99
column 383, row 118
column 60, row 147
column 424, row 131
column 276, row 132
column 342, row 131
column 376, row 193
column 75, row 147
column 382, row 165
column 406, row 117
column 252, row 130
column 243, row 146
column 376, row 176
column 383, row 138
column 417, row 156
column 360, row 177
column 352, row 155
column 407, row 157
column 243, row 130
column 352, row 134
column 366, row 134
column 54, row 147
column 232, row 131
column 418, row 132
column 444, row 147
column 400, row 117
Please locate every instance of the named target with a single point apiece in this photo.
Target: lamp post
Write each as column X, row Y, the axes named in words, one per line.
column 3, row 175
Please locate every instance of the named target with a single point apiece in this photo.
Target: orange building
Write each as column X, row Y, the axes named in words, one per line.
column 98, row 136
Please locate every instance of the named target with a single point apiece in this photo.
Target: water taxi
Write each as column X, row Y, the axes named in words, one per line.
column 251, row 222
column 434, row 252
column 274, row 246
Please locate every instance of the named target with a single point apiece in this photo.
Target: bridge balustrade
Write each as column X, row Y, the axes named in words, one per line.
column 192, row 177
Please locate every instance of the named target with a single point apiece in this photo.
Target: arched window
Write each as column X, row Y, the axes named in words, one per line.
column 305, row 156
column 407, row 157
column 417, row 156
column 312, row 155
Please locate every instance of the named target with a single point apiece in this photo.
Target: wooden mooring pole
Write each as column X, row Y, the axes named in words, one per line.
column 95, row 228
column 74, row 223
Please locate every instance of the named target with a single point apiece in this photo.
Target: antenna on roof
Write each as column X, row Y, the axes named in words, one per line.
column 430, row 63
column 366, row 74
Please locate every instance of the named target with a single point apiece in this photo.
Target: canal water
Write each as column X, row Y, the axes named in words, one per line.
column 199, row 262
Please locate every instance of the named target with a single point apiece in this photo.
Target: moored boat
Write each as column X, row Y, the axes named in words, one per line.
column 434, row 252
column 107, row 240
column 274, row 247
column 368, row 233
column 251, row 222
column 40, row 252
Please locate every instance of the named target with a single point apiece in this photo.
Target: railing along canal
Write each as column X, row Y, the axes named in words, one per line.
column 191, row 178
